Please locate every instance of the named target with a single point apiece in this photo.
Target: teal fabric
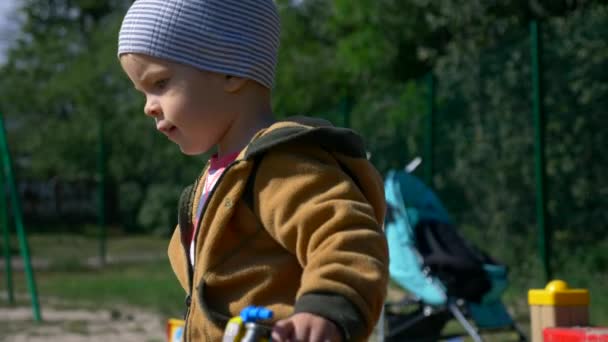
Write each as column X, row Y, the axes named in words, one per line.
column 413, row 199
column 498, row 279
column 405, row 194
column 490, row 315
column 404, row 268
column 491, row 312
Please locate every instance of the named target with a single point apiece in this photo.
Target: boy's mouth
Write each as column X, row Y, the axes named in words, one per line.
column 165, row 127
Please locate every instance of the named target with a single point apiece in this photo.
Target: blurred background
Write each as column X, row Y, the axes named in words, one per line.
column 449, row 81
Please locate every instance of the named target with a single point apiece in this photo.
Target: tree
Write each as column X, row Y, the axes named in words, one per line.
column 61, row 79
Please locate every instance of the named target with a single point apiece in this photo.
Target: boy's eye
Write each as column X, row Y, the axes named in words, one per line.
column 161, row 84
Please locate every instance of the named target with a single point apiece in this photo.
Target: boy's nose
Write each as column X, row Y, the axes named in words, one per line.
column 152, row 109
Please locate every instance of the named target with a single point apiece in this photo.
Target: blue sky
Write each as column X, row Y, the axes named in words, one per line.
column 7, row 24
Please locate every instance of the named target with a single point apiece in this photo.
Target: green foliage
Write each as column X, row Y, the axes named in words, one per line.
column 158, row 212
column 62, row 79
column 494, row 164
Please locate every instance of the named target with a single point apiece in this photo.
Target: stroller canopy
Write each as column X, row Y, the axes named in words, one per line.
column 407, row 196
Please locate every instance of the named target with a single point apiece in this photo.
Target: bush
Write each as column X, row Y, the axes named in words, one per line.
column 158, row 211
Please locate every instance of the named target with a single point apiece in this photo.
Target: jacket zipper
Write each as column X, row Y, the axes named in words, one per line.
column 190, row 268
column 188, row 300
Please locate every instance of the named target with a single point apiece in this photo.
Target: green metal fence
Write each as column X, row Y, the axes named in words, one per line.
column 514, row 146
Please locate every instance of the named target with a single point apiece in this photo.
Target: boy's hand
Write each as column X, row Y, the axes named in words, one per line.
column 305, row 327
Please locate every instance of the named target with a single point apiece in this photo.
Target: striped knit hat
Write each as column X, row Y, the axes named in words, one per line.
column 233, row 37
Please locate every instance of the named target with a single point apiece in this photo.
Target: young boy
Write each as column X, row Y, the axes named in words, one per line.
column 287, row 214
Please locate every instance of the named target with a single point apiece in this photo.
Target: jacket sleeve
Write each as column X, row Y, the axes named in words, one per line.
column 316, row 211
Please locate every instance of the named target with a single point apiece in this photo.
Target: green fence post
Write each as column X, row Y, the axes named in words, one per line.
column 346, row 108
column 25, row 252
column 101, row 205
column 429, row 153
column 7, row 239
column 544, row 233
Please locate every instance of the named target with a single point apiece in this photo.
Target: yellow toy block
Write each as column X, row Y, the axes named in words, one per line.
column 557, row 306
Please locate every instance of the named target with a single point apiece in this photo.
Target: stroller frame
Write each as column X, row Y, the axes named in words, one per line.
column 454, row 309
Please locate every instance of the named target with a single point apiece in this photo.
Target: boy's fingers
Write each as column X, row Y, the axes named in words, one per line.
column 318, row 335
column 282, row 331
column 328, row 334
column 302, row 334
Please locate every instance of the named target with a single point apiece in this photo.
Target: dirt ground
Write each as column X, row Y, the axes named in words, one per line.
column 64, row 324
column 75, row 325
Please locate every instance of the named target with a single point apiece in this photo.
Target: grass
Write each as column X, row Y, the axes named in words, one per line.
column 70, row 246
column 148, row 284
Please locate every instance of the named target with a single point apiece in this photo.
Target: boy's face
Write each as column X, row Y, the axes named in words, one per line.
column 187, row 104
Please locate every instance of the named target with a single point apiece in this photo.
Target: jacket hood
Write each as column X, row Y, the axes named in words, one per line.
column 308, row 131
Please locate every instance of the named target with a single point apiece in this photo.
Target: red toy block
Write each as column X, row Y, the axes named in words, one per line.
column 576, row 334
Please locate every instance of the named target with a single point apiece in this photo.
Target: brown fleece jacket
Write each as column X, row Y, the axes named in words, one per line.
column 293, row 224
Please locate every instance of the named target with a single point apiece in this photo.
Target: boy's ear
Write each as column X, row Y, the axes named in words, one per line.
column 233, row 84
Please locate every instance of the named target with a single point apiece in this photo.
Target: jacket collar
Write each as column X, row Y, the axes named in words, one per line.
column 308, row 131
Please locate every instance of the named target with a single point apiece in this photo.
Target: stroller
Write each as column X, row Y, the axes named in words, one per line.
column 446, row 277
